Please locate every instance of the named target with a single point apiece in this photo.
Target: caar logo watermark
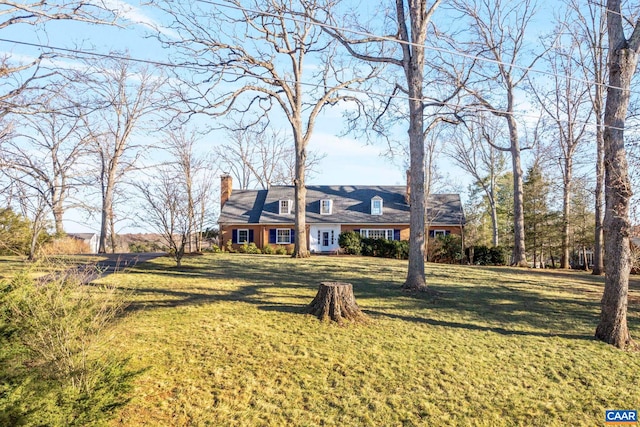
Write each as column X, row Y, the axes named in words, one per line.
column 626, row 417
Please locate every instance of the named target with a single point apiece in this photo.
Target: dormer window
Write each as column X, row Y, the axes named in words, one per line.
column 284, row 207
column 326, row 206
column 376, row 205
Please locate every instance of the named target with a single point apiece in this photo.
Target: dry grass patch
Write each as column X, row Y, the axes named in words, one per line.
column 224, row 342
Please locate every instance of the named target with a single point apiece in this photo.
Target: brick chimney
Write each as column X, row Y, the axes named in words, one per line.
column 226, row 185
column 407, row 194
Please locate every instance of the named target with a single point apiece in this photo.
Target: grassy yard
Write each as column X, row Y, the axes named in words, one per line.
column 222, row 341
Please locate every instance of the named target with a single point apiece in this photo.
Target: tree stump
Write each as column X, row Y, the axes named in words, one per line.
column 335, row 301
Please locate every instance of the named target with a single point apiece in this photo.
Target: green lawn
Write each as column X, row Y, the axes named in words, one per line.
column 222, row 341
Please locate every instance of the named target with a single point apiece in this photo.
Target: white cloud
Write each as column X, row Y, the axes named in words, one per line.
column 136, row 15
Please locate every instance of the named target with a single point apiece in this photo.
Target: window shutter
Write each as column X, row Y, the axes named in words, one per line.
column 272, row 235
column 293, row 235
column 396, row 234
column 234, row 235
column 357, row 231
column 432, row 233
column 446, row 233
column 250, row 236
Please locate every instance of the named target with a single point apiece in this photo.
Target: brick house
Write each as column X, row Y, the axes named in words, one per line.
column 266, row 217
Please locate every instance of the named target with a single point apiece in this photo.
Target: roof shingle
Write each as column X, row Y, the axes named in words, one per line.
column 351, row 205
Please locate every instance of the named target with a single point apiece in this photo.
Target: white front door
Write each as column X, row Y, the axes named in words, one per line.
column 324, row 238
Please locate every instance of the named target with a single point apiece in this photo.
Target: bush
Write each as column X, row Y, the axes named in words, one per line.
column 483, row 255
column 249, row 248
column 15, row 233
column 498, row 255
column 53, row 338
column 268, row 249
column 281, row 250
column 214, row 249
column 142, row 247
column 384, row 248
column 229, row 247
column 65, row 246
column 446, row 249
column 350, row 242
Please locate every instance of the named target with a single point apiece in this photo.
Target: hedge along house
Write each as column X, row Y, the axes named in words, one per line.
column 266, row 217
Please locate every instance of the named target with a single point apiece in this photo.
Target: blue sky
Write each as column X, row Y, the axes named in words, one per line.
column 347, row 161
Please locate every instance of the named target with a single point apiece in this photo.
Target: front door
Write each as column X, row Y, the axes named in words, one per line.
column 324, row 238
column 324, row 241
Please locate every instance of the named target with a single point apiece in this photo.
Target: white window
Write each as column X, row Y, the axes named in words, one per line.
column 376, row 206
column 437, row 233
column 283, row 236
column 243, row 236
column 284, row 207
column 325, row 206
column 377, row 233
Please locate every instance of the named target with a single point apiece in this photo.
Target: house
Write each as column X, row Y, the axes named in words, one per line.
column 90, row 239
column 266, row 217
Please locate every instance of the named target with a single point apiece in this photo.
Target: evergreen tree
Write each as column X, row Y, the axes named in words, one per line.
column 536, row 211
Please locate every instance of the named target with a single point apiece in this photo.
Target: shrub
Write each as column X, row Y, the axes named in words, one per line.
column 141, row 247
column 229, row 247
column 446, row 249
column 249, row 248
column 350, row 242
column 54, row 340
column 384, row 248
column 281, row 250
column 214, row 249
column 498, row 255
column 401, row 249
column 268, row 249
column 483, row 255
column 15, row 233
column 65, row 246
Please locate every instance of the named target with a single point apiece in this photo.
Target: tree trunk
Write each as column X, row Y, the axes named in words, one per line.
column 112, row 231
column 300, row 247
column 623, row 58
column 335, row 301
column 566, row 200
column 413, row 61
column 519, row 254
column 598, row 252
column 104, row 224
column 494, row 220
column 58, row 214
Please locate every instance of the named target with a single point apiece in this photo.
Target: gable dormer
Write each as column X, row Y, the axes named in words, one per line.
column 284, row 206
column 326, row 207
column 376, row 205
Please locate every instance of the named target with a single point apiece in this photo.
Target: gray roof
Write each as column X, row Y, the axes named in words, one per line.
column 351, row 205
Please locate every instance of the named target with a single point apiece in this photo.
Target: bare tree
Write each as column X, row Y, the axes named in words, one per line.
column 497, row 36
column 166, row 207
column 237, row 155
column 410, row 20
column 37, row 12
column 119, row 97
column 193, row 177
column 565, row 101
column 47, row 149
column 623, row 60
column 471, row 148
column 587, row 24
column 260, row 49
column 21, row 75
column 262, row 158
